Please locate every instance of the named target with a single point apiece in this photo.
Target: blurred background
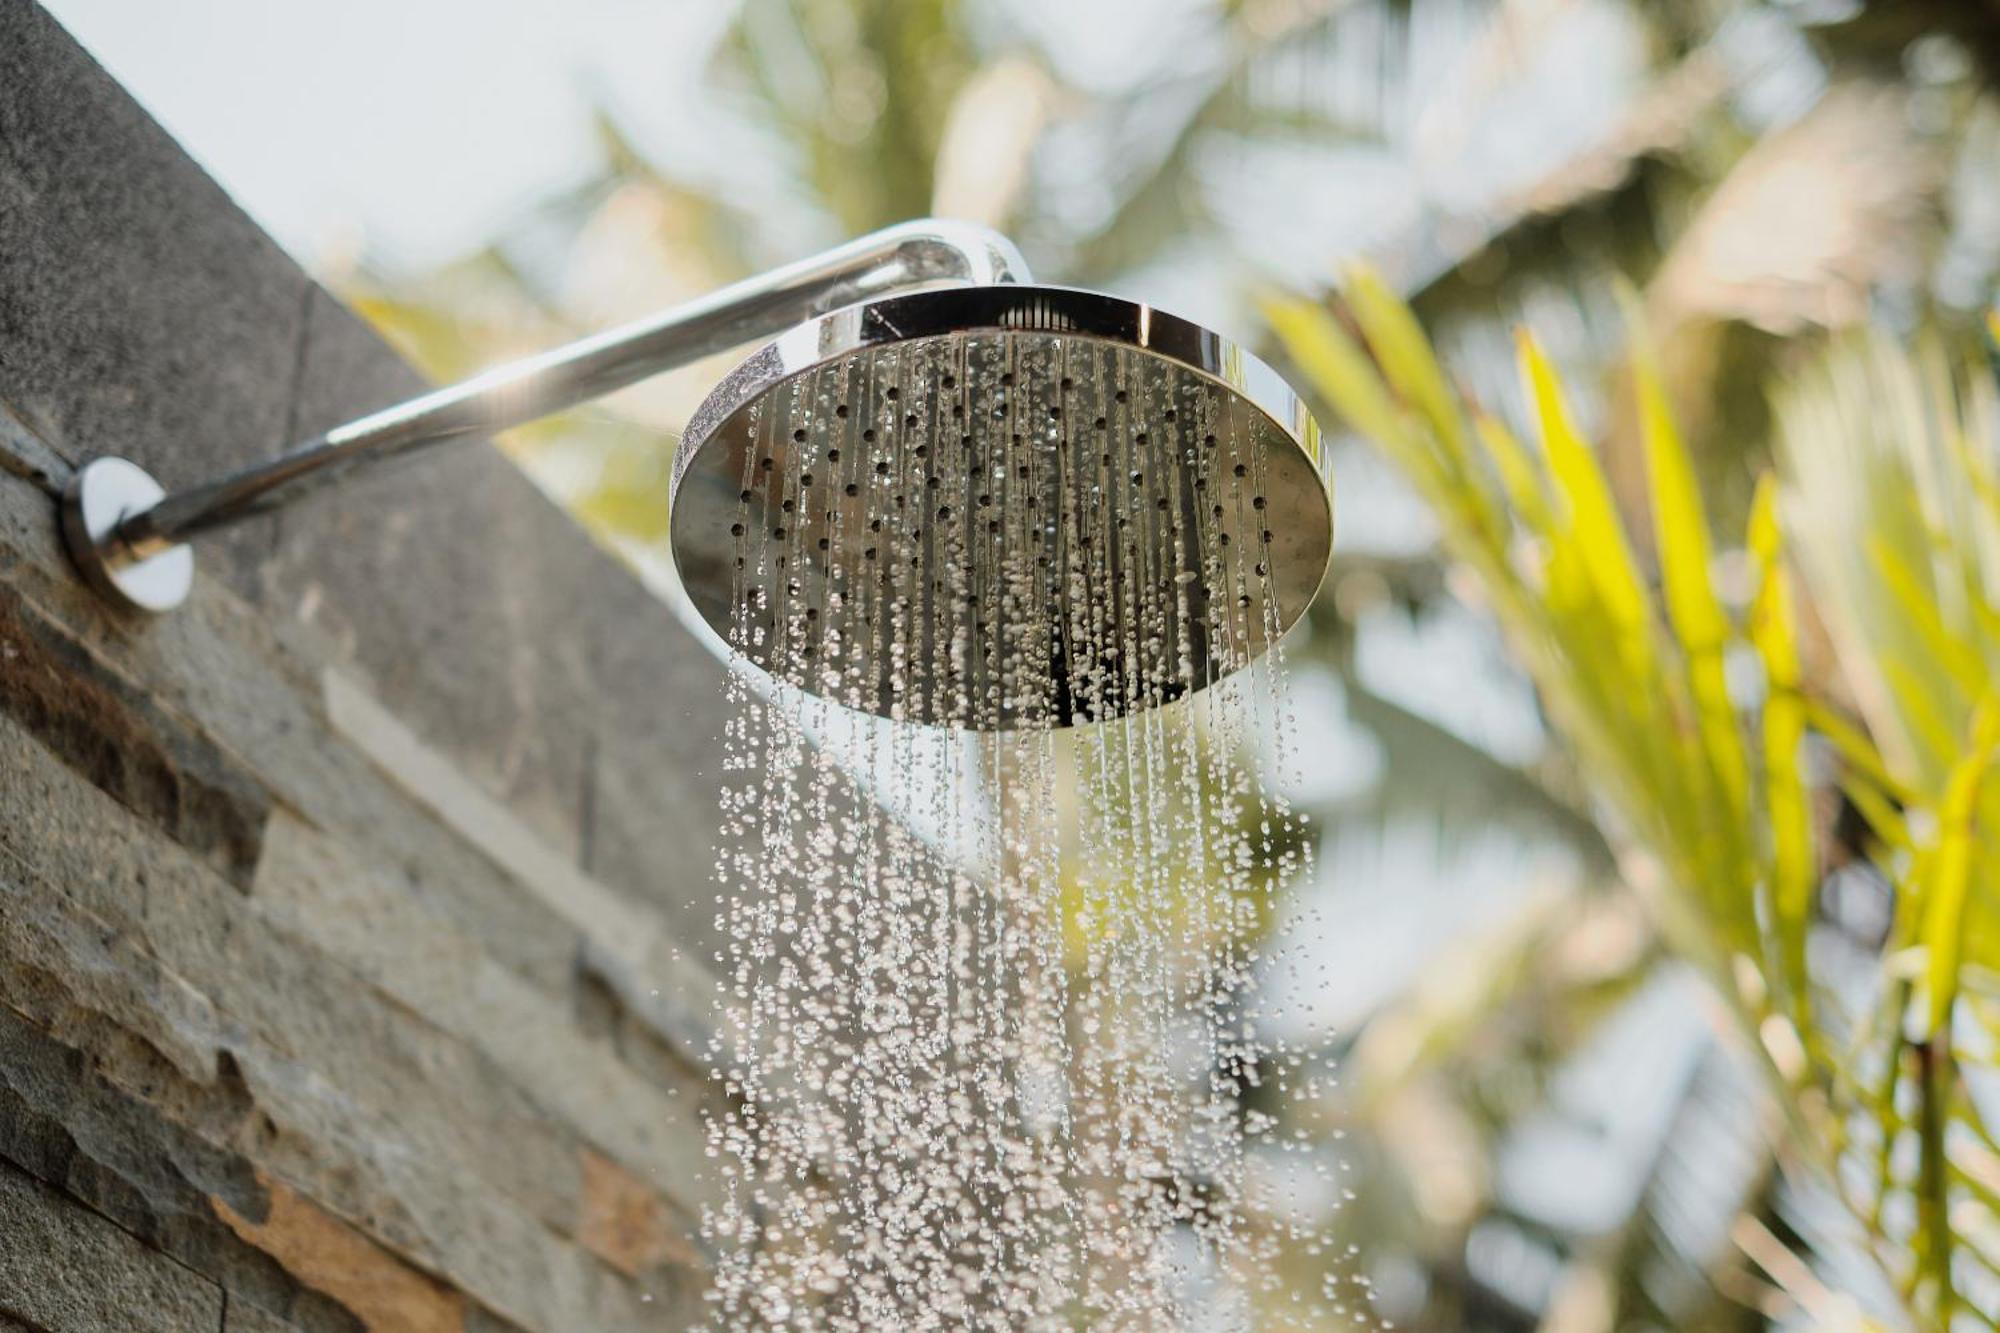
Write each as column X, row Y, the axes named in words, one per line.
column 1550, row 1111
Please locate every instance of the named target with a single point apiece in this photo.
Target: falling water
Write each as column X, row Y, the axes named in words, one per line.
column 991, row 1056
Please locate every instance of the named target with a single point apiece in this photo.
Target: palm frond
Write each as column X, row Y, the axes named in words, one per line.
column 1711, row 793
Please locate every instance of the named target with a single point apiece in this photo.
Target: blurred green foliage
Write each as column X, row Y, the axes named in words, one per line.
column 1709, row 790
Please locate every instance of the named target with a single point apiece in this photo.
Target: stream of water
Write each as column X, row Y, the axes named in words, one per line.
column 992, row 1053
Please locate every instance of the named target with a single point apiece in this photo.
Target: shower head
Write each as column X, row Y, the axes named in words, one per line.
column 1000, row 507
column 946, row 496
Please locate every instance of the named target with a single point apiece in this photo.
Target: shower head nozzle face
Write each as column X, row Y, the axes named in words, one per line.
column 1001, row 507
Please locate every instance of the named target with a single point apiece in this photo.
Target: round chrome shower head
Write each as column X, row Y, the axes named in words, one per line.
column 998, row 507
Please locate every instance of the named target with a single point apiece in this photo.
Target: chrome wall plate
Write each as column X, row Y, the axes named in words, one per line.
column 102, row 494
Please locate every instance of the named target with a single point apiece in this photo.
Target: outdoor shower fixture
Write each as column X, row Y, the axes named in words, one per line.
column 880, row 346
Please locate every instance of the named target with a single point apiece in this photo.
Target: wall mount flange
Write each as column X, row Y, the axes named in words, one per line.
column 101, row 496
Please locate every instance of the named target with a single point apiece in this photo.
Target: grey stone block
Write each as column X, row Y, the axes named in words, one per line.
column 475, row 608
column 654, row 813
column 23, row 454
column 239, row 1316
column 409, row 1135
column 64, row 1269
column 624, row 947
column 61, row 1122
column 346, row 1067
column 252, row 690
column 456, row 590
column 314, row 888
column 106, row 727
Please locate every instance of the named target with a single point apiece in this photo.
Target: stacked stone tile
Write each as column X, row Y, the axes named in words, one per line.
column 352, row 917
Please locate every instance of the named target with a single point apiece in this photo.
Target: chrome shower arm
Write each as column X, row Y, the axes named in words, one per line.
column 126, row 534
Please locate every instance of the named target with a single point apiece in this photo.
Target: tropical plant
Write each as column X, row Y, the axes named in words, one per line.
column 1698, row 713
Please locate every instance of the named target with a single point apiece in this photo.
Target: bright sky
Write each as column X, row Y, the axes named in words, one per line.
column 420, row 124
column 424, row 127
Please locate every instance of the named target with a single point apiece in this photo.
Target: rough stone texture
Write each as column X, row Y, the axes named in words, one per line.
column 665, row 718
column 326, row 1253
column 64, row 1269
column 241, row 1317
column 65, row 1124
column 414, row 1137
column 311, row 886
column 623, row 1221
column 106, row 727
column 348, row 914
column 457, row 596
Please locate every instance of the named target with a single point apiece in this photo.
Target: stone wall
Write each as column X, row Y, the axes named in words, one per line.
column 352, row 917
